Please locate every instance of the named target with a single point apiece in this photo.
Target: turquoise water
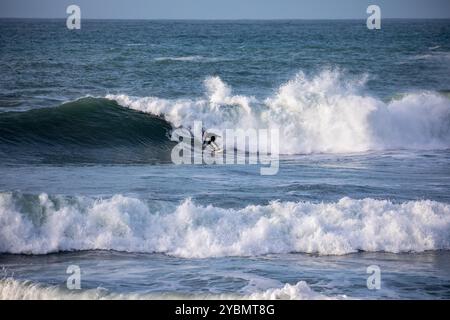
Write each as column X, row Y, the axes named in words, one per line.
column 86, row 177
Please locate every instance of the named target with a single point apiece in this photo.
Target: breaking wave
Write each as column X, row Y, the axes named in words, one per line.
column 40, row 224
column 324, row 113
column 11, row 289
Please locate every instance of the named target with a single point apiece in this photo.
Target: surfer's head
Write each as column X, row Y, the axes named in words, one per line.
column 213, row 138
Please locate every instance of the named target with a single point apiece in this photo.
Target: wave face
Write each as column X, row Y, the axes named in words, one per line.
column 40, row 224
column 329, row 112
column 11, row 289
column 89, row 129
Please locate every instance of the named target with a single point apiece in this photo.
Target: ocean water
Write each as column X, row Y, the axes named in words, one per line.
column 86, row 176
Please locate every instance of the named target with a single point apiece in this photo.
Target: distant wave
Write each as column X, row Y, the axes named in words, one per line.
column 11, row 289
column 40, row 224
column 324, row 113
column 196, row 58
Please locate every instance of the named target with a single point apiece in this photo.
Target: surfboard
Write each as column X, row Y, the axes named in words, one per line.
column 214, row 147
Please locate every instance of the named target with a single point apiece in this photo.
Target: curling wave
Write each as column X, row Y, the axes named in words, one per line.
column 324, row 113
column 40, row 224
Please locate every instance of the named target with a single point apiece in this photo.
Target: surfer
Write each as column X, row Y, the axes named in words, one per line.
column 211, row 142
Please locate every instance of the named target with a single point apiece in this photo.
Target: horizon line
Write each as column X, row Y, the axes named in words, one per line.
column 218, row 19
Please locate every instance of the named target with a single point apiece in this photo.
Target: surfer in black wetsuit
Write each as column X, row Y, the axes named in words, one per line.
column 209, row 141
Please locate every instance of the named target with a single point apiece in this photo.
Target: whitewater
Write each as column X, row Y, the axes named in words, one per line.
column 329, row 112
column 191, row 231
column 11, row 289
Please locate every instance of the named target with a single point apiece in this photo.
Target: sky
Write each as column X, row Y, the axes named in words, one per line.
column 225, row 9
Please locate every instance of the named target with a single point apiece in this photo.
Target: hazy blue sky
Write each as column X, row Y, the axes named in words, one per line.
column 225, row 9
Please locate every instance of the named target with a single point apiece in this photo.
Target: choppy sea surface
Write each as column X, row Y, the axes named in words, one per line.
column 86, row 176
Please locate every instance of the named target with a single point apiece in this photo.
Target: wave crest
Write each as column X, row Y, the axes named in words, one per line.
column 328, row 112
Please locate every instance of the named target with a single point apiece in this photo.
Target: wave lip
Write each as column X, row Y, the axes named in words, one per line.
column 43, row 224
column 11, row 289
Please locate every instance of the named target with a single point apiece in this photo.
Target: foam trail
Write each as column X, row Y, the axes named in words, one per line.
column 329, row 112
column 43, row 224
column 185, row 58
column 196, row 58
column 11, row 289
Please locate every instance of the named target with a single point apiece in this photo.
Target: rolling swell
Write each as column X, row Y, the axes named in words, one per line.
column 87, row 130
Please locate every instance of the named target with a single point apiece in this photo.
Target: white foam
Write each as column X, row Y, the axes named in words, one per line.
column 191, row 231
column 183, row 112
column 299, row 291
column 328, row 112
column 11, row 289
